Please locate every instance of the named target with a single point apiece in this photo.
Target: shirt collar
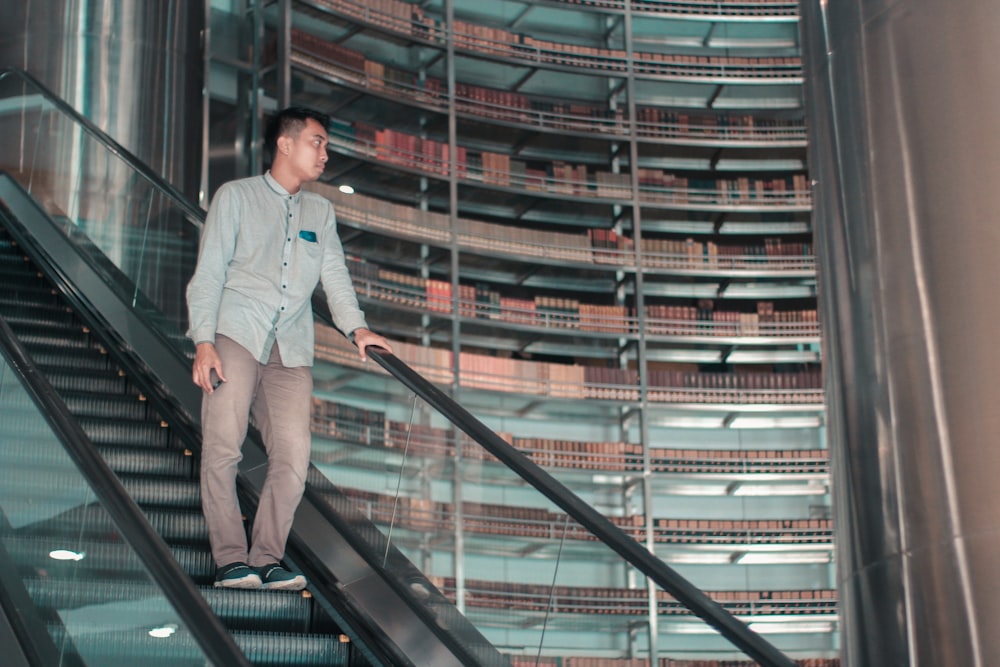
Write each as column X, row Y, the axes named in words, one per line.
column 279, row 189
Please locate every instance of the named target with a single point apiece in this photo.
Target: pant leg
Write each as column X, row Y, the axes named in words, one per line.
column 224, row 416
column 282, row 412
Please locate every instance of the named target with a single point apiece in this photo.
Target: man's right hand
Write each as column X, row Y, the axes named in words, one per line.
column 206, row 360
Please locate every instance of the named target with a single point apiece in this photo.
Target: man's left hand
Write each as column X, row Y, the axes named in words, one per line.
column 365, row 337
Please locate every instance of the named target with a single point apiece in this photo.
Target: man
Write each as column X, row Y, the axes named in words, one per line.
column 265, row 246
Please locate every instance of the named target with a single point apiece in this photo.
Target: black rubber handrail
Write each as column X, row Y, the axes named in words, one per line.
column 203, row 624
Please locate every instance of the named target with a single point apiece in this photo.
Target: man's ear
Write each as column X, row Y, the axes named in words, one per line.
column 284, row 144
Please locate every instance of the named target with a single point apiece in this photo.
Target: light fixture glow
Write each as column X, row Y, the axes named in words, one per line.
column 66, row 554
column 163, row 631
column 783, row 558
column 791, row 627
column 346, row 189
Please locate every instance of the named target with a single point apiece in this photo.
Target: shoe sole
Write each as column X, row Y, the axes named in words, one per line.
column 296, row 584
column 245, row 582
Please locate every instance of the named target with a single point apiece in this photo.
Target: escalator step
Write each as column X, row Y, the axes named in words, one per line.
column 108, row 383
column 116, row 406
column 58, row 334
column 121, row 432
column 160, row 462
column 27, row 452
column 76, row 359
column 18, row 306
column 103, row 643
column 91, row 521
column 160, row 492
column 240, row 609
column 101, row 559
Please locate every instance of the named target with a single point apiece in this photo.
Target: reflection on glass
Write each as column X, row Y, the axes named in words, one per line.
column 87, row 585
column 145, row 241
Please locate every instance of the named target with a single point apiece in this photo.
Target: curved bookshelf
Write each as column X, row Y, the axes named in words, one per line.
column 725, row 391
column 408, row 21
column 591, row 248
column 569, row 316
column 656, row 188
column 733, row 10
column 519, row 526
column 603, row 602
column 685, row 128
column 372, row 429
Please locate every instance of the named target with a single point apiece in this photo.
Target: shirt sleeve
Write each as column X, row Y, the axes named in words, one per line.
column 218, row 244
column 336, row 280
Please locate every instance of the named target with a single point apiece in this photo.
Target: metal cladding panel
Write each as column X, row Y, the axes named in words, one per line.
column 133, row 68
column 906, row 168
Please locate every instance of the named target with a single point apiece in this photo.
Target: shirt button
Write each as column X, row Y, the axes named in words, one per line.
column 286, row 264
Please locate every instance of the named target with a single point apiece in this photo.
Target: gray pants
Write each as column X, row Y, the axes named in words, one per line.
column 280, row 399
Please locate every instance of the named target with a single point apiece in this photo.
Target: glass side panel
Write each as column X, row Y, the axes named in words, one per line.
column 98, row 601
column 146, row 241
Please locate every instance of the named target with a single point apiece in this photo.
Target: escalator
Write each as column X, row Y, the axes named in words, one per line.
column 156, row 467
column 105, row 338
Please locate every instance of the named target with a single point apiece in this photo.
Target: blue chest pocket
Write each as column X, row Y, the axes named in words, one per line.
column 308, row 236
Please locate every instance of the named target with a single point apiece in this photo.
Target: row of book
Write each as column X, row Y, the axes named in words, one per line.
column 629, row 601
column 411, row 19
column 480, row 371
column 426, row 515
column 550, row 312
column 594, row 247
column 610, row 247
column 331, row 59
column 655, row 186
column 372, row 428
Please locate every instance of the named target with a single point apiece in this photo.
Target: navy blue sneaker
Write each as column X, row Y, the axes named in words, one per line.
column 276, row 578
column 237, row 575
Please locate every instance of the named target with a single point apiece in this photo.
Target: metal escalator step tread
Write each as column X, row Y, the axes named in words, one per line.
column 241, row 610
column 101, row 559
column 177, row 527
column 109, row 384
column 299, row 650
column 114, row 406
column 108, row 431
column 170, row 462
column 163, row 492
column 77, row 360
column 16, row 306
column 51, row 337
column 113, row 647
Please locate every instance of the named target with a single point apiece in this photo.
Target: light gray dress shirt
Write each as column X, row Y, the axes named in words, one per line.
column 263, row 251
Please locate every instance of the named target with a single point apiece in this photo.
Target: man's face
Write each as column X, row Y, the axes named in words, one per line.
column 306, row 153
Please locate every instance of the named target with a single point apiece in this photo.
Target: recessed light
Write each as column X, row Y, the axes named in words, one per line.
column 65, row 554
column 346, row 189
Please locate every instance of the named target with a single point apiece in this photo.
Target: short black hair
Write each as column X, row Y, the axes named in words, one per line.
column 289, row 122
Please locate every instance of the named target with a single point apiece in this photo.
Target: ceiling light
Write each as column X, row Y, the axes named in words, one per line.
column 65, row 554
column 346, row 189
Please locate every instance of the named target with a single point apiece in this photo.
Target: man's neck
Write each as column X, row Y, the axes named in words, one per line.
column 285, row 179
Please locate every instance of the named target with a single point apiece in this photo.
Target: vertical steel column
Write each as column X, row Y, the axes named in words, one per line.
column 905, row 157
